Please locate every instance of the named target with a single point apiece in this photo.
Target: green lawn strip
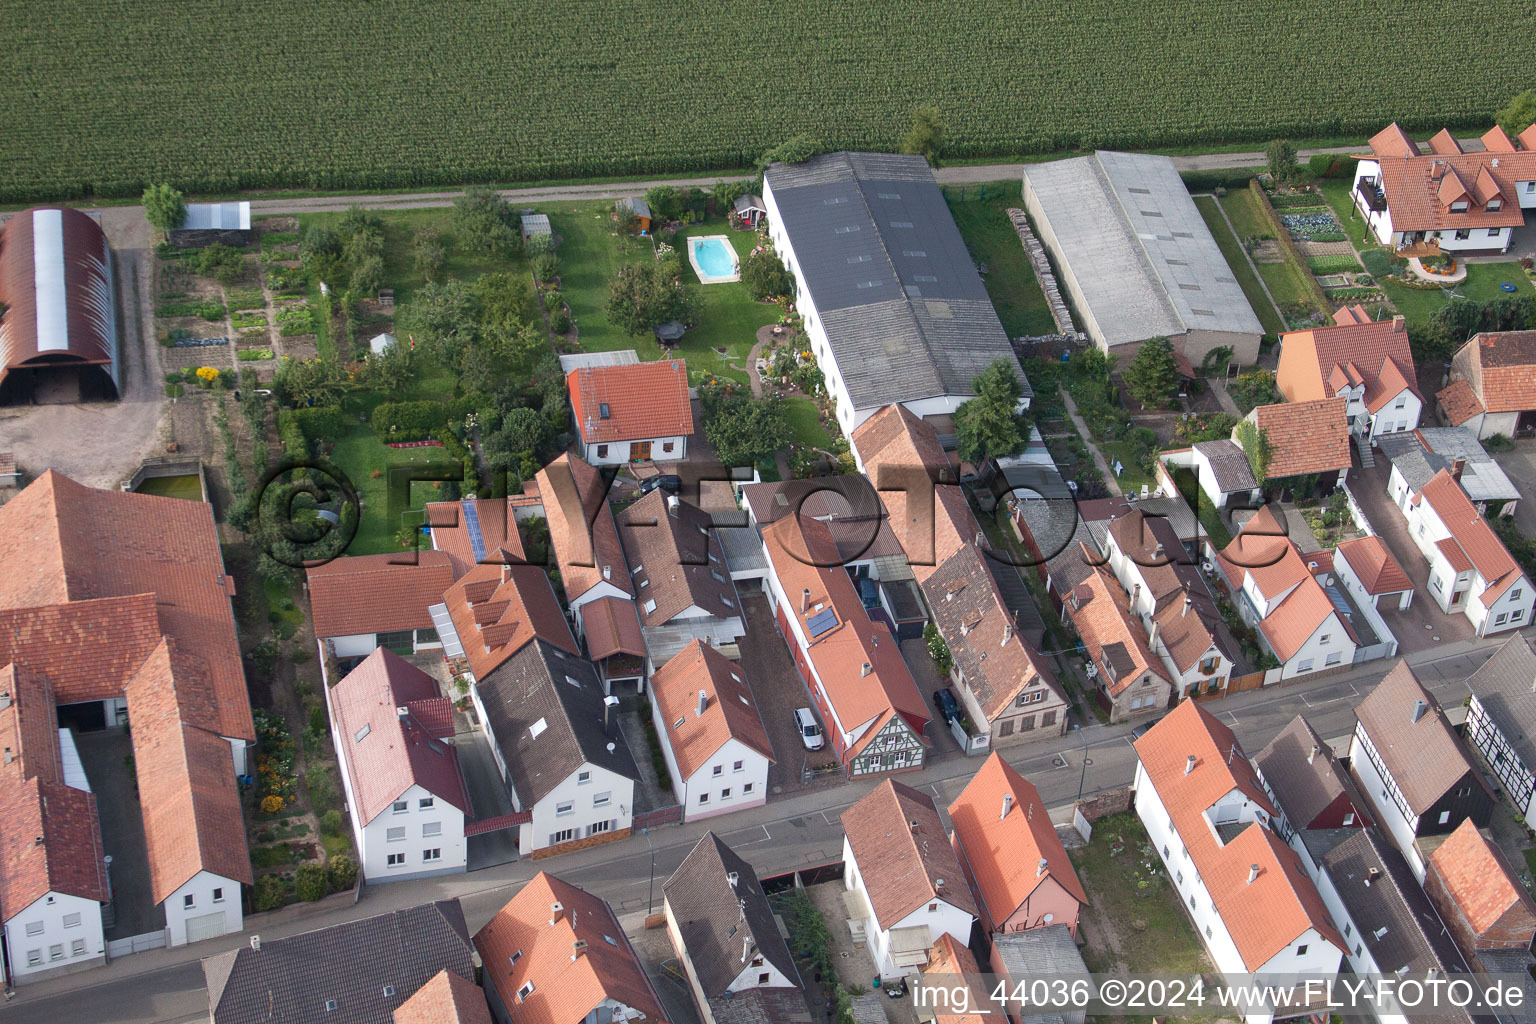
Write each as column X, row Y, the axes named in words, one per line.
column 1530, row 861
column 360, row 454
column 1482, row 285
column 1338, row 193
column 1010, row 279
column 1132, row 889
column 1285, row 283
column 1232, row 250
column 1131, row 476
column 283, row 614
column 1247, row 219
column 805, row 421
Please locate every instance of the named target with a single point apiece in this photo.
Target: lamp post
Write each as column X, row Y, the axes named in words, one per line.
column 1081, row 779
column 650, row 891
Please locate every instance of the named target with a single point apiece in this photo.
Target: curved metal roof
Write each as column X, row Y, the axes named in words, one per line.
column 56, row 283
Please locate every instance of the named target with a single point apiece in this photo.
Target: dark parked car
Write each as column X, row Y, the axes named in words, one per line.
column 668, row 482
column 944, row 700
column 1144, row 728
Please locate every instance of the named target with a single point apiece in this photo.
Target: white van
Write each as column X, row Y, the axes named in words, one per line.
column 810, row 732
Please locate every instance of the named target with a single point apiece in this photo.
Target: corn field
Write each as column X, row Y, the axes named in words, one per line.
column 104, row 97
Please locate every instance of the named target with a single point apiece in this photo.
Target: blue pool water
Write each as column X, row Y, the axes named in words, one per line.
column 714, row 257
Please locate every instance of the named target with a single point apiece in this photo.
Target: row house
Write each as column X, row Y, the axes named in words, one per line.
column 1501, row 721
column 1129, row 680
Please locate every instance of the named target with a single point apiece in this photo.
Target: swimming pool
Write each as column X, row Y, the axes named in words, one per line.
column 714, row 259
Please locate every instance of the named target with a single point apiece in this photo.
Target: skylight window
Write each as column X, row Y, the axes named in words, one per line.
column 859, row 259
column 357, row 737
column 889, row 195
column 914, row 252
column 901, row 223
column 835, row 200
column 847, row 229
column 924, row 277
column 602, row 410
column 537, row 728
column 649, row 606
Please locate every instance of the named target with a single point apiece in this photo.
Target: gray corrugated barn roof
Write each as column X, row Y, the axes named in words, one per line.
column 903, row 306
column 217, row 216
column 1127, row 230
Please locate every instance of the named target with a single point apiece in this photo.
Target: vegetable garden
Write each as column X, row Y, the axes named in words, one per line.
column 265, row 94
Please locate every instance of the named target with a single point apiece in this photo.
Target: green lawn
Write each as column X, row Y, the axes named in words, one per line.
column 1155, row 935
column 1337, row 192
column 1010, row 277
column 360, row 454
column 805, row 421
column 591, row 253
column 188, row 486
column 1481, row 285
column 1286, row 283
column 1232, row 250
column 283, row 614
column 1131, row 475
column 1247, row 218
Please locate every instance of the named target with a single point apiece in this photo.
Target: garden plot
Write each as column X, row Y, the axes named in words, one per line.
column 1313, row 226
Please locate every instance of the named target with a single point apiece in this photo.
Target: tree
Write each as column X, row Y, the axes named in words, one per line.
column 320, row 251
column 442, row 316
column 1256, row 445
column 523, row 432
column 309, row 382
column 1520, row 114
column 644, row 295
column 1280, row 155
column 989, row 424
column 485, row 225
column 665, row 201
column 164, row 207
column 1153, row 376
column 219, row 262
column 764, row 275
column 795, row 150
column 368, row 274
column 925, row 137
column 504, row 298
column 743, row 429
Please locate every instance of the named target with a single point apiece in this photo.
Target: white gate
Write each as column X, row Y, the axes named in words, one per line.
column 208, row 926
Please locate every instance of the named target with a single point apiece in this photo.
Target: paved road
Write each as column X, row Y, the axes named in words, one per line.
column 967, row 174
column 167, row 985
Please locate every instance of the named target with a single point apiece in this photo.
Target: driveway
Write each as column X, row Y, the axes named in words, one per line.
column 107, row 759
column 915, row 654
column 778, row 690
column 1519, row 464
column 1422, row 625
column 487, row 799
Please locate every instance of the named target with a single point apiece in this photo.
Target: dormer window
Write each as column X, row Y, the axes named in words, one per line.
column 1459, row 206
column 1494, row 205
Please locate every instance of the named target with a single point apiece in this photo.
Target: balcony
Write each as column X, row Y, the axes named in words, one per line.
column 1370, row 195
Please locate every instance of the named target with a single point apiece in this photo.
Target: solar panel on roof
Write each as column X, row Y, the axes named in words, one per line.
column 821, row 622
column 472, row 524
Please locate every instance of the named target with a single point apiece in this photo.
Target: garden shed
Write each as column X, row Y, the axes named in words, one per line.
column 636, row 207
column 535, row 224
column 751, row 210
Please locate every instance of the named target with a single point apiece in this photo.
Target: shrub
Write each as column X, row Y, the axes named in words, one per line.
column 1381, row 263
column 310, row 882
column 270, row 893
column 938, row 650
column 253, row 354
column 330, row 822
column 554, row 301
column 343, row 871
column 409, row 421
column 560, row 322
column 546, row 266
column 317, row 718
column 1205, row 181
column 1331, row 165
column 271, row 804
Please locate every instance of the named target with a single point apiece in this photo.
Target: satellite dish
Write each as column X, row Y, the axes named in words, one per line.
column 611, row 747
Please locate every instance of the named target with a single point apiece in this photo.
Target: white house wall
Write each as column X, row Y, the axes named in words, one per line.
column 946, row 919
column 356, row 645
column 1376, row 790
column 619, row 808
column 616, row 453
column 376, row 846
column 209, row 894
column 1390, row 419
column 48, row 914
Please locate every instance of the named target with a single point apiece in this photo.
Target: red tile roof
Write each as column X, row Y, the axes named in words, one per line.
column 1478, row 877
column 1304, row 611
column 446, row 999
column 1306, row 437
column 610, row 625
column 1291, row 904
column 1002, row 843
column 1500, row 367
column 641, row 400
column 1420, row 187
column 673, row 560
column 386, row 753
column 904, row 857
column 36, row 804
column 377, row 593
column 497, row 609
column 1459, row 402
column 62, row 542
column 902, row 456
column 1482, row 547
column 1377, row 348
column 952, row 964
column 854, row 640
column 1263, row 549
column 582, row 534
column 499, row 536
column 567, row 983
column 729, row 710
column 191, row 803
column 1374, row 566
column 1115, row 640
column 88, row 649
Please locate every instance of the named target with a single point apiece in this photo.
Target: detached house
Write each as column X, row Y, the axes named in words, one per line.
column 632, row 413
column 851, row 664
column 677, row 570
column 1482, row 903
column 1470, row 569
column 1367, row 567
column 1209, row 819
column 711, row 732
column 1276, row 593
column 1501, row 721
column 1225, row 474
column 1446, row 197
column 393, row 731
column 1418, row 456
column 723, row 930
column 1017, row 867
column 1493, row 384
column 556, row 954
column 1412, row 766
column 1366, row 362
column 1307, row 439
column 1128, row 677
column 904, row 883
column 1308, row 785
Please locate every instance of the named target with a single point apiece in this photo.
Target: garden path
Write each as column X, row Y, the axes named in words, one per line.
column 1082, row 431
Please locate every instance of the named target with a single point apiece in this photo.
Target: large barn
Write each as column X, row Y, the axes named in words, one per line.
column 58, row 331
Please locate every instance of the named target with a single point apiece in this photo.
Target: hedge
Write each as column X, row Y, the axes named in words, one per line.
column 409, row 421
column 1331, row 165
column 1230, row 177
column 295, row 444
column 320, row 422
column 1319, row 300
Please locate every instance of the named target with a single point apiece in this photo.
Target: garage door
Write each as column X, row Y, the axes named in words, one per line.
column 208, row 926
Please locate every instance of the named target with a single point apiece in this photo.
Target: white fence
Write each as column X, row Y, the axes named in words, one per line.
column 135, row 944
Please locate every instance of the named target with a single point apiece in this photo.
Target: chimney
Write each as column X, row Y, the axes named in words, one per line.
column 864, row 669
column 733, row 878
column 938, row 885
column 1041, row 866
column 703, row 702
column 1135, row 594
column 506, row 572
column 805, row 600
column 403, row 712
column 1372, row 875
column 1312, row 754
column 1419, row 707
column 1399, row 325
column 1253, row 873
column 1188, row 604
column 607, row 572
column 981, row 541
column 577, row 948
column 1007, row 806
column 1189, row 765
column 672, row 503
column 610, row 708
column 1458, row 464
column 1158, row 551
column 1157, row 627
column 555, row 909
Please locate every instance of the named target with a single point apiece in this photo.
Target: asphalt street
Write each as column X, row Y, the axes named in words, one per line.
column 797, row 831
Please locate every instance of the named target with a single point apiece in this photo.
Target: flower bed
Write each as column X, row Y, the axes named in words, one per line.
column 276, row 781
